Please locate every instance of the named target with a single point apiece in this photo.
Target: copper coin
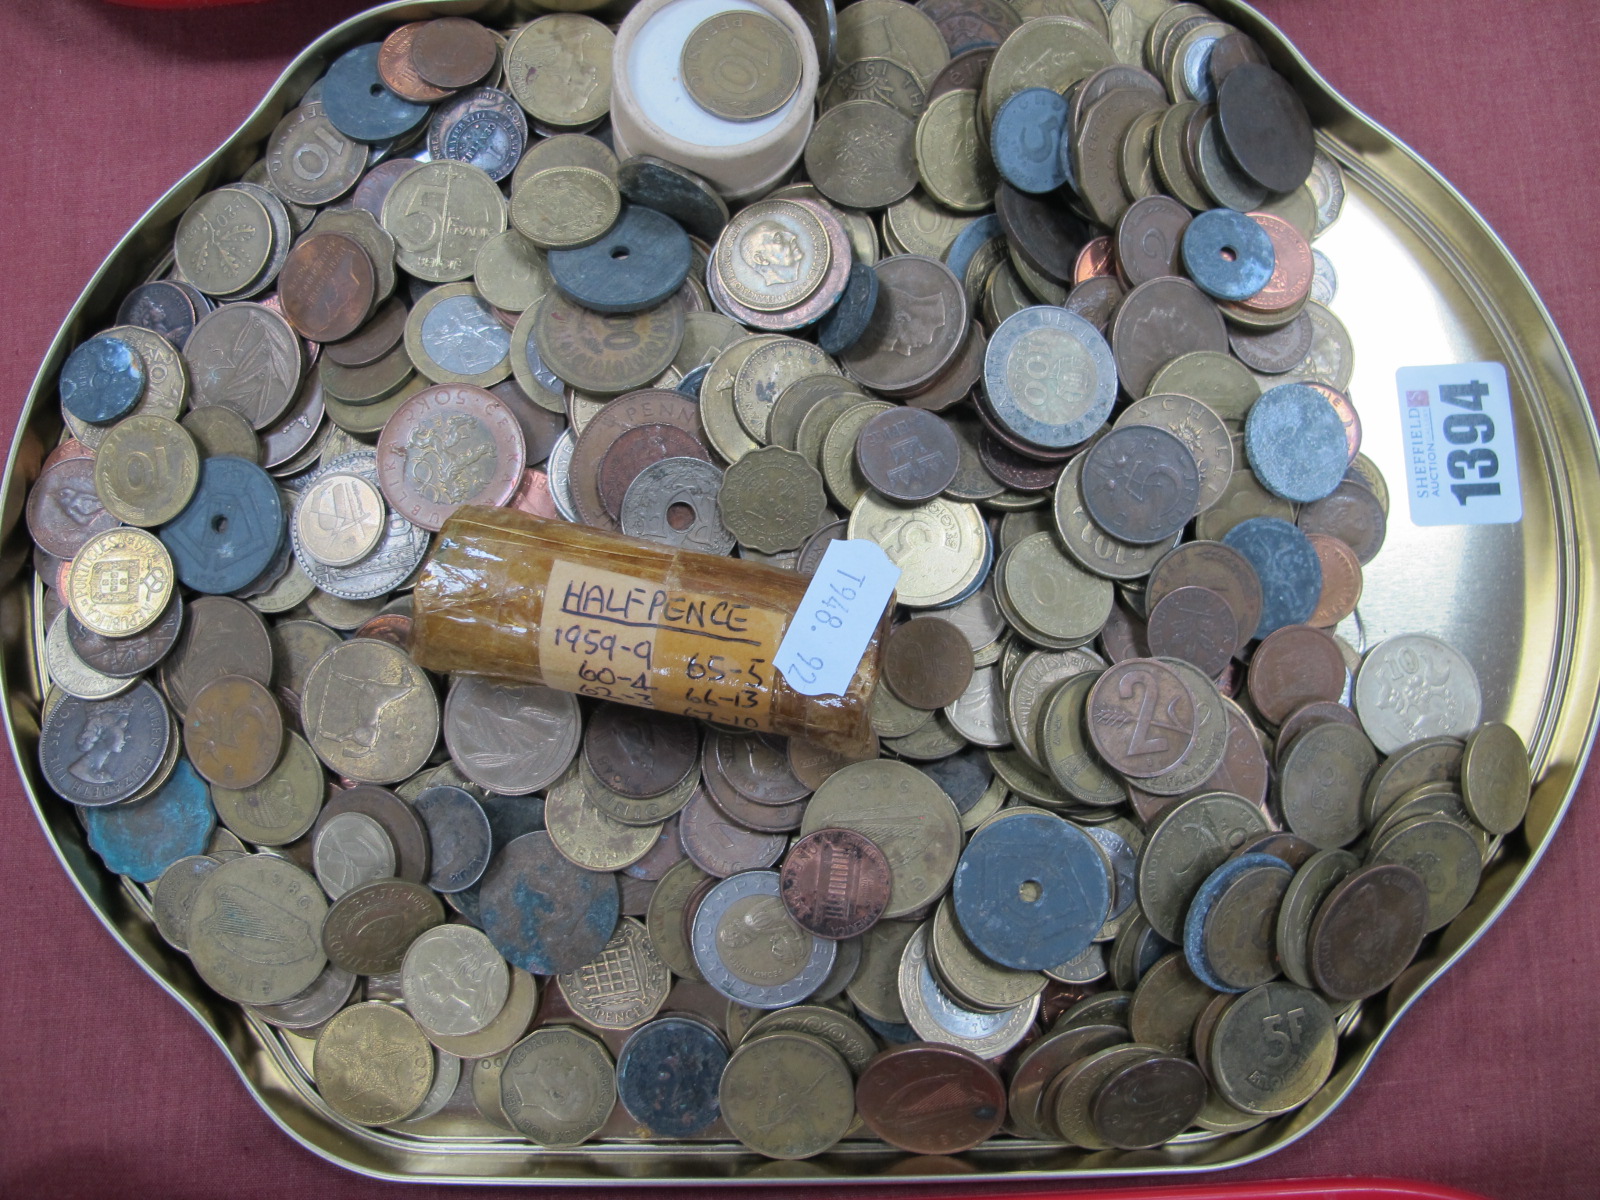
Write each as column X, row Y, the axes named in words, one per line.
column 1141, row 717
column 220, row 636
column 1367, row 931
column 1353, row 515
column 1141, row 484
column 651, row 406
column 1292, row 270
column 719, row 846
column 452, row 52
column 1273, row 351
column 1098, row 258
column 71, row 448
column 633, row 451
column 835, row 883
column 399, row 820
column 1244, row 770
column 928, row 663
column 1148, row 1103
column 64, row 510
column 327, row 286
column 956, row 382
column 1150, row 239
column 639, row 753
column 917, row 328
column 908, row 454
column 541, row 428
column 813, row 764
column 1218, row 567
column 369, row 929
column 379, row 181
column 233, row 732
column 1018, row 471
column 1285, row 847
column 667, row 853
column 125, row 657
column 928, row 1099
column 448, row 445
column 394, row 628
column 1341, row 580
column 739, row 808
column 1318, row 712
column 533, row 495
column 757, row 767
column 1157, row 322
column 378, row 334
column 1096, row 300
column 1291, row 668
column 1196, row 625
column 1124, row 635
column 399, row 73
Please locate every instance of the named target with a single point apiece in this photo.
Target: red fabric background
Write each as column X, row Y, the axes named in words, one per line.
column 107, row 1088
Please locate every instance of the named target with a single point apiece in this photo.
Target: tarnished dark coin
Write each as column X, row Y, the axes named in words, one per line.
column 1147, row 1103
column 640, row 753
column 1367, row 931
column 835, row 883
column 1266, row 127
column 127, row 657
column 143, row 838
column 633, row 451
column 636, row 264
column 64, row 510
column 1026, row 138
column 1196, row 625
column 850, row 318
column 369, row 929
column 543, row 913
column 327, row 286
column 907, row 454
column 1047, row 236
column 931, row 1099
column 399, row 820
column 917, row 327
column 1228, row 255
column 1141, row 718
column 928, row 663
column 1274, row 351
column 452, row 52
column 233, row 732
column 161, row 307
column 102, row 379
column 668, row 1074
column 669, row 188
column 1149, row 239
column 458, row 837
column 1216, row 567
column 1287, row 567
column 97, row 752
column 219, row 636
column 358, row 103
column 1141, row 484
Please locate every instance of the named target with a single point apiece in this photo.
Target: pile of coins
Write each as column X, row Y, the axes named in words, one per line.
column 1142, row 828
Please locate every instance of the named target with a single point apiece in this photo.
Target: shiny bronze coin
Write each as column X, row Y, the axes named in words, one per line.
column 633, row 451
column 930, row 1099
column 1148, row 1103
column 1141, row 717
column 233, row 732
column 835, row 883
column 452, row 52
column 399, row 73
column 1292, row 270
column 1293, row 667
column 1367, row 931
column 1341, row 580
column 1196, row 625
column 327, row 286
column 1097, row 259
column 377, row 336
column 639, row 753
column 907, row 454
column 928, row 663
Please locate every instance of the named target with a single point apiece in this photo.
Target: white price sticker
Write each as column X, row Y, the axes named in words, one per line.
column 1460, row 444
column 823, row 645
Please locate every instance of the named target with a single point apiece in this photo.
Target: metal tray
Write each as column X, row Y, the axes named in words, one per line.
column 1422, row 280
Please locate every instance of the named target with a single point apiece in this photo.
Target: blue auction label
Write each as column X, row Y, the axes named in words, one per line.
column 1460, row 444
column 823, row 645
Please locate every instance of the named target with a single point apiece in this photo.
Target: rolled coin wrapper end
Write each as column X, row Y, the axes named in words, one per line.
column 652, row 112
column 514, row 596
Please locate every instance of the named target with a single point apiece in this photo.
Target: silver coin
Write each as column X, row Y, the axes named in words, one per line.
column 751, row 950
column 464, row 337
column 399, row 552
column 454, row 980
column 1415, row 686
column 318, row 1003
column 559, row 468
column 70, row 673
column 1325, row 280
column 1049, row 377
column 510, row 738
column 939, row 1017
column 350, row 850
column 648, row 506
column 1086, row 968
column 446, row 1077
column 1124, row 868
column 979, row 713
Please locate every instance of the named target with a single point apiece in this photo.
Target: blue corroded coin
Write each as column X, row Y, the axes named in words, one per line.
column 1286, row 564
column 893, row 1032
column 689, row 385
column 102, row 379
column 1049, row 377
column 636, row 264
column 512, row 816
column 142, row 840
column 356, row 100
column 97, row 752
column 1227, row 254
column 1031, row 891
column 1025, row 140
column 230, row 529
column 544, row 913
column 669, row 188
column 964, row 776
column 848, row 319
column 1296, row 443
column 668, row 1074
column 459, row 840
column 1124, row 861
column 1194, row 925
column 970, row 240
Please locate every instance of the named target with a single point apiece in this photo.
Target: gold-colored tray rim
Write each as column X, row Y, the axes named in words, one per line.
column 1560, row 740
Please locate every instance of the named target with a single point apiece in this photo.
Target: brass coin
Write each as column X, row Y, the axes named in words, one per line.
column 1495, row 778
column 740, row 65
column 564, row 1116
column 216, row 430
column 862, row 154
column 372, row 1065
column 146, row 470
column 1272, row 1048
column 561, row 208
column 586, row 835
column 441, row 214
column 1054, row 52
column 309, row 161
column 220, row 636
column 1065, row 747
column 840, row 466
column 340, row 519
column 559, row 69
column 665, row 919
column 121, row 582
column 1238, row 933
column 880, row 79
column 1321, row 781
column 1071, row 1096
column 771, row 499
column 1166, row 1003
column 894, row 30
column 766, row 372
column 845, row 1034
column 233, row 732
column 875, row 990
column 510, row 272
column 369, row 712
column 624, row 986
column 1446, row 857
column 607, row 353
column 283, row 805
column 952, row 161
column 254, row 929
column 223, row 242
column 1191, row 840
column 787, row 1095
column 939, row 546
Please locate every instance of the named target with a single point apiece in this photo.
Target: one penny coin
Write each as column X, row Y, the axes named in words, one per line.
column 928, row 663
column 931, row 1099
column 835, row 883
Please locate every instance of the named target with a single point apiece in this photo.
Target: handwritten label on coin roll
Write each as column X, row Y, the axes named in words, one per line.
column 1460, row 444
column 612, row 636
column 824, row 643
